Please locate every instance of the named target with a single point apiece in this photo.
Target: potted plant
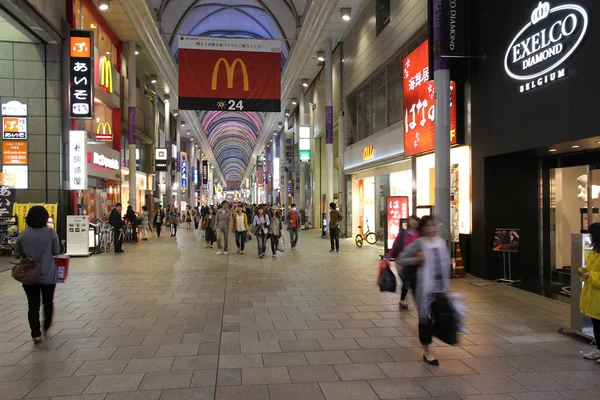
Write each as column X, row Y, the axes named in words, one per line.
column 303, row 218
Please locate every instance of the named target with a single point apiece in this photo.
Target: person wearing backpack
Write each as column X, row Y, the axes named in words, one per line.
column 407, row 273
column 39, row 243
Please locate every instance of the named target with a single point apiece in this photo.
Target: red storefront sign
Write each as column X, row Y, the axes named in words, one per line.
column 397, row 210
column 419, row 103
column 229, row 74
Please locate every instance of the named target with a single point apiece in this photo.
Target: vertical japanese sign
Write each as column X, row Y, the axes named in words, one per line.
column 14, row 145
column 184, row 172
column 78, row 160
column 81, row 84
column 9, row 230
column 397, row 210
column 14, row 128
column 7, row 201
column 419, row 104
column 205, row 173
column 132, row 124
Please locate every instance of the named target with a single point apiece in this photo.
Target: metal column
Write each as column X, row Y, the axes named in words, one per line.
column 131, row 76
column 329, row 117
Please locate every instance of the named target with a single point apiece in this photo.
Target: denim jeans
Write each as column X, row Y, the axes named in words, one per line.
column 294, row 236
column 35, row 293
column 274, row 243
column 334, row 238
column 240, row 239
column 261, row 241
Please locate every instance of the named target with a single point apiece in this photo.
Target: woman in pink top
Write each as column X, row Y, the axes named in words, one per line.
column 408, row 273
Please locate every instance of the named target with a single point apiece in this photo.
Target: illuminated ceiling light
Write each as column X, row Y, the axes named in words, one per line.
column 93, row 26
column 192, row 139
column 305, row 82
column 294, row 101
column 280, row 124
column 108, row 53
column 321, row 56
column 346, row 13
column 103, row 5
column 153, row 78
column 598, row 142
column 182, row 123
column 175, row 113
column 137, row 50
column 575, row 146
column 287, row 113
column 167, row 99
column 552, row 150
column 188, row 133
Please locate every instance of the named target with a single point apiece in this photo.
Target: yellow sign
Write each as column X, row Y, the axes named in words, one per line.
column 21, row 210
column 230, row 70
column 53, row 214
column 368, row 153
column 104, row 127
column 8, row 180
column 105, row 74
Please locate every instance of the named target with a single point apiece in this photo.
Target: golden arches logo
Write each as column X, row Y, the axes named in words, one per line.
column 105, row 74
column 368, row 153
column 229, row 70
column 105, row 126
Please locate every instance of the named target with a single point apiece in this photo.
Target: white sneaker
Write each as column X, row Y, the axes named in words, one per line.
column 219, row 252
column 593, row 355
column 225, row 253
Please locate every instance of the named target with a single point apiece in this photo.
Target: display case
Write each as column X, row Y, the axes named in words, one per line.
column 581, row 245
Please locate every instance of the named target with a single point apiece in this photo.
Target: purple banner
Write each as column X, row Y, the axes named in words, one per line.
column 329, row 124
column 132, row 116
column 436, row 16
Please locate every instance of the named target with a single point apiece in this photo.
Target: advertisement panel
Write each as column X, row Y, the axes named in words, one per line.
column 397, row 210
column 229, row 74
column 77, row 235
column 160, row 159
column 104, row 132
column 205, row 173
column 14, row 152
column 14, row 128
column 78, row 160
column 419, row 103
column 81, row 84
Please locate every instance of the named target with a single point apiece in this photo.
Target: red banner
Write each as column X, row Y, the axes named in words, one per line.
column 397, row 210
column 419, row 104
column 229, row 74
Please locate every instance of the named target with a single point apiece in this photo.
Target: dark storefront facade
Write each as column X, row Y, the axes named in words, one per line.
column 535, row 143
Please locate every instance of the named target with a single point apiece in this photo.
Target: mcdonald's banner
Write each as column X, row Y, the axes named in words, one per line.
column 229, row 74
column 104, row 132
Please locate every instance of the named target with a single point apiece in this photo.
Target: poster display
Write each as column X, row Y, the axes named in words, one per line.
column 9, row 230
column 78, row 160
column 14, row 152
column 7, row 201
column 77, row 235
column 229, row 74
column 397, row 210
column 506, row 239
column 419, row 103
column 21, row 210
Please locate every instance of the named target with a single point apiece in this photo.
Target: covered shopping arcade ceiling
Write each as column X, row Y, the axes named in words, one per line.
column 232, row 136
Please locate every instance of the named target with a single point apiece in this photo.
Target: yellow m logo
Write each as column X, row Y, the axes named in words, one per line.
column 230, row 69
column 105, row 74
column 368, row 153
column 105, row 126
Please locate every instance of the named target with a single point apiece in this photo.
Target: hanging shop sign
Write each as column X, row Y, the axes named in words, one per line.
column 304, row 144
column 104, row 71
column 260, row 177
column 205, row 173
column 229, row 74
column 14, row 128
column 184, row 171
column 419, row 104
column 7, row 201
column 368, row 152
column 77, row 160
column 14, row 107
column 80, row 74
column 397, row 211
column 538, row 53
column 103, row 161
column 160, row 159
column 451, row 16
column 104, row 132
column 276, row 174
column 14, row 152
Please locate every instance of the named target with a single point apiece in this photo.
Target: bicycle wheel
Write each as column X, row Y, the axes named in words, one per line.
column 371, row 238
column 359, row 240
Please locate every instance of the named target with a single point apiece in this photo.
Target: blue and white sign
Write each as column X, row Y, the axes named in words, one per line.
column 184, row 177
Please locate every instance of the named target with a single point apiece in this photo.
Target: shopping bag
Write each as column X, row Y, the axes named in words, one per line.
column 281, row 244
column 62, row 264
column 387, row 281
column 444, row 320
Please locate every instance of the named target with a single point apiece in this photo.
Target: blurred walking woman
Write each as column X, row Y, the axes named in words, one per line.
column 275, row 230
column 173, row 220
column 430, row 253
column 208, row 224
column 41, row 244
column 261, row 222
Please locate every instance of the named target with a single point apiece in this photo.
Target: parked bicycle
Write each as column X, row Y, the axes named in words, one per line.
column 370, row 237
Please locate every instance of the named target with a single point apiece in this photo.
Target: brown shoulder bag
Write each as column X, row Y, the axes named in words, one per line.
column 27, row 270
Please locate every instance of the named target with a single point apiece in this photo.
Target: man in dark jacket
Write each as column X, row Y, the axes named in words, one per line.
column 117, row 223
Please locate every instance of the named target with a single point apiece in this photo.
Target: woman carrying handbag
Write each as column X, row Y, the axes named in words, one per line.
column 36, row 246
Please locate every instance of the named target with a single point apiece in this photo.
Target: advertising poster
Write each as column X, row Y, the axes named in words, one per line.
column 419, row 103
column 53, row 213
column 9, row 230
column 21, row 210
column 397, row 210
column 14, row 152
column 81, row 83
column 7, row 201
column 227, row 74
column 506, row 239
column 77, row 235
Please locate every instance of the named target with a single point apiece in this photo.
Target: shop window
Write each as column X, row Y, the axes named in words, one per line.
column 379, row 110
column 382, row 15
column 394, row 100
column 352, row 125
column 364, row 119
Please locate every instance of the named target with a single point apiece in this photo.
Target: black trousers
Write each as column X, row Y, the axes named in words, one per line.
column 34, row 294
column 334, row 238
column 158, row 228
column 274, row 243
column 409, row 281
column 596, row 324
column 117, row 240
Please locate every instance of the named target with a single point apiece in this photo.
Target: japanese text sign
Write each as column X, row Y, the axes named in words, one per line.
column 419, row 104
column 81, row 85
column 205, row 173
column 78, row 160
column 14, row 128
column 7, row 200
column 14, row 152
column 397, row 210
column 184, row 173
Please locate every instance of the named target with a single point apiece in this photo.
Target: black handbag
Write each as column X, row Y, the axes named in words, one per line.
column 387, row 281
column 445, row 325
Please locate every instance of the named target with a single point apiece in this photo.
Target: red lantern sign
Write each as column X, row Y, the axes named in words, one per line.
column 397, row 210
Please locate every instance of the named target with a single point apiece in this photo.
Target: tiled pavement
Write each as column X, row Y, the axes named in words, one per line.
column 171, row 320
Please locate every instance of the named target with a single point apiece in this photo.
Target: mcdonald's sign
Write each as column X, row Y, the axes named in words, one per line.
column 368, row 152
column 105, row 78
column 229, row 74
column 104, row 132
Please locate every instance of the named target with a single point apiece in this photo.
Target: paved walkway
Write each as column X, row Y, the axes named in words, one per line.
column 171, row 320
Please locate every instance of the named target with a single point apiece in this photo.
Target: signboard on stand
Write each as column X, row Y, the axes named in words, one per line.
column 78, row 235
column 397, row 211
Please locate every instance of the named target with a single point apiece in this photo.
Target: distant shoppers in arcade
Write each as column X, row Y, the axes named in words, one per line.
column 145, row 223
column 240, row 228
column 335, row 217
column 209, row 227
column 407, row 272
column 158, row 219
column 115, row 220
column 589, row 302
column 275, row 228
column 188, row 218
column 293, row 226
column 132, row 219
column 261, row 223
column 223, row 225
column 173, row 220
column 38, row 242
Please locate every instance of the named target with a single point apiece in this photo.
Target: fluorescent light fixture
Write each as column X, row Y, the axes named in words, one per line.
column 294, row 101
column 188, row 133
column 305, row 82
column 175, row 114
column 153, row 78
column 182, row 123
column 552, row 150
column 287, row 113
column 575, row 146
column 103, row 5
column 321, row 56
column 167, row 99
column 108, row 53
column 279, row 124
column 346, row 13
column 137, row 50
